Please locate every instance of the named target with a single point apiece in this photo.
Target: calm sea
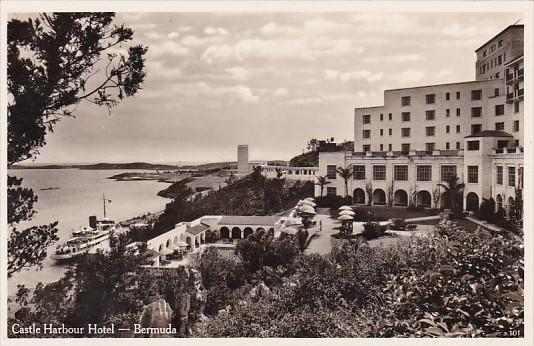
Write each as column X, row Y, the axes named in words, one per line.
column 79, row 196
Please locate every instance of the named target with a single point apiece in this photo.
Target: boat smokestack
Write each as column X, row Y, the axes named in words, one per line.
column 92, row 221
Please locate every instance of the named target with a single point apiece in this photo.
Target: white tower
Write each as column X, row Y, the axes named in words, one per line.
column 242, row 159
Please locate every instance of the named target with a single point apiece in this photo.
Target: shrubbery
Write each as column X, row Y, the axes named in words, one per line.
column 455, row 284
column 373, row 230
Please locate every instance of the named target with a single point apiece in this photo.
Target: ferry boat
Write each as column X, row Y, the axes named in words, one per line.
column 86, row 238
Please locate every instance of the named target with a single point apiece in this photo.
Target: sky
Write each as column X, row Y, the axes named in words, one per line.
column 269, row 80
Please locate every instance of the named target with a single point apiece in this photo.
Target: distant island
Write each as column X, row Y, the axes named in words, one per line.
column 103, row 166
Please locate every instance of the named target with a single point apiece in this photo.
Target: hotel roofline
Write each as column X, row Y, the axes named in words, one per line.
column 499, row 34
column 434, row 85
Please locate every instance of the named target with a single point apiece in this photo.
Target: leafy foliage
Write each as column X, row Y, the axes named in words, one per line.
column 52, row 65
column 373, row 230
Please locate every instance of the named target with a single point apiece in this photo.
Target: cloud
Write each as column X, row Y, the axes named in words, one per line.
column 361, row 75
column 173, row 34
column 392, row 58
column 238, row 73
column 281, row 92
column 218, row 53
column 215, row 31
column 409, row 76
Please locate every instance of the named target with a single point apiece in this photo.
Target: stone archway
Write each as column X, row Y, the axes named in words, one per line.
column 400, row 198
column 248, row 231
column 260, row 229
column 236, row 233
column 224, row 233
column 379, row 197
column 472, row 202
column 358, row 196
column 499, row 204
column 424, row 199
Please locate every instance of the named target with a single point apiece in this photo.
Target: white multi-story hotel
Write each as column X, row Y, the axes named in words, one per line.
column 423, row 135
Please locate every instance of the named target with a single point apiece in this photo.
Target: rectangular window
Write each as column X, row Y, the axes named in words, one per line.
column 472, row 174
column 430, row 147
column 401, row 173
column 366, row 119
column 457, row 95
column 405, row 132
column 473, row 145
column 447, row 96
column 499, row 126
column 358, row 172
column 405, row 116
column 430, row 99
column 430, row 131
column 405, row 100
column 331, row 191
column 390, row 132
column 457, row 128
column 366, row 148
column 457, row 145
column 430, row 115
column 331, row 172
column 457, row 112
column 381, row 147
column 499, row 60
column 447, row 145
column 448, row 172
column 381, row 116
column 390, row 116
column 476, row 95
column 516, row 125
column 511, row 176
column 390, row 147
column 405, row 148
column 499, row 177
column 516, row 107
column 424, row 173
column 381, row 132
column 497, row 92
column 499, row 110
column 476, row 128
column 447, row 129
column 366, row 134
column 447, row 112
column 379, row 172
column 476, row 112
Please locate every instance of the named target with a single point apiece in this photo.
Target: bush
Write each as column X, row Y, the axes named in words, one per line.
column 373, row 230
column 397, row 224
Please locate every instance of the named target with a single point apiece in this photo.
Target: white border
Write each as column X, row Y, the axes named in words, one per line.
column 525, row 7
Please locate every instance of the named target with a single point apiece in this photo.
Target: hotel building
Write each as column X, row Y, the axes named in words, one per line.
column 423, row 135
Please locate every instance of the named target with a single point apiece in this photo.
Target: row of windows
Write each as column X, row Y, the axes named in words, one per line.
column 400, row 172
column 476, row 112
column 430, row 131
column 500, row 175
column 405, row 147
column 423, row 173
column 476, row 95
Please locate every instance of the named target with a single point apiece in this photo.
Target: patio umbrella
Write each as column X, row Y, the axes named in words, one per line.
column 345, row 207
column 291, row 222
column 301, row 202
column 345, row 218
column 166, row 251
column 289, row 230
column 308, row 209
column 182, row 244
column 347, row 212
column 309, row 199
column 310, row 203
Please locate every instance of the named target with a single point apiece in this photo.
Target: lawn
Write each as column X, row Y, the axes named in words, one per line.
column 386, row 213
column 468, row 225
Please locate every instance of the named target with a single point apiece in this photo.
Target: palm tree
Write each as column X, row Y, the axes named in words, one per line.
column 279, row 173
column 345, row 173
column 453, row 190
column 322, row 181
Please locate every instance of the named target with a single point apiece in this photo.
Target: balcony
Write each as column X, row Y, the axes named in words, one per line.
column 516, row 95
column 515, row 76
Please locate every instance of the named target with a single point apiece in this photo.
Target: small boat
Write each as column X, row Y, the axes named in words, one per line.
column 86, row 238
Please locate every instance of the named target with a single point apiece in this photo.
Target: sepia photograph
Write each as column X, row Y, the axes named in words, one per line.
column 277, row 172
